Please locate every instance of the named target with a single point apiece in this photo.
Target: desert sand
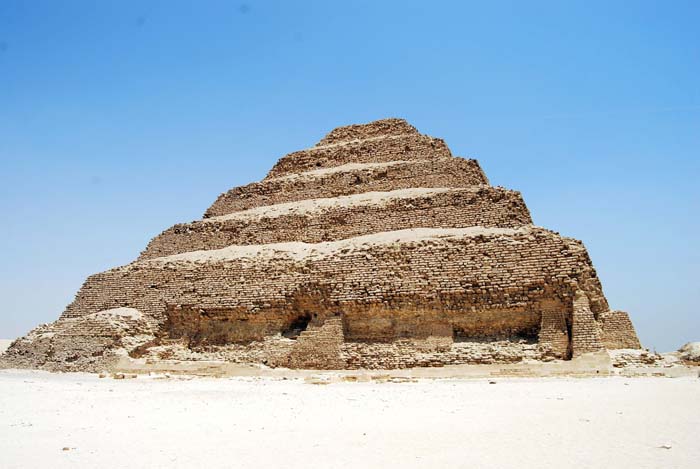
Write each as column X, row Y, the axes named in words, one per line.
column 80, row 420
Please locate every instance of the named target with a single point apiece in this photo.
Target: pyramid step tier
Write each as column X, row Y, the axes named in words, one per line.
column 481, row 281
column 318, row 220
column 374, row 150
column 379, row 128
column 351, row 178
column 488, row 267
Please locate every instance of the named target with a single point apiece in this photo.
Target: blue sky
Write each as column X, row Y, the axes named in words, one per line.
column 119, row 119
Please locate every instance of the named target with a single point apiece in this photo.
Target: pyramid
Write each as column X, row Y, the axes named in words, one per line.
column 376, row 248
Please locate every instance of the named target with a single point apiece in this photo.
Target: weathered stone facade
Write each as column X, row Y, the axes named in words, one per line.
column 361, row 214
column 353, row 178
column 374, row 249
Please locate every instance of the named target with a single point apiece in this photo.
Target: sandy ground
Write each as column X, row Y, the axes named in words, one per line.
column 153, row 421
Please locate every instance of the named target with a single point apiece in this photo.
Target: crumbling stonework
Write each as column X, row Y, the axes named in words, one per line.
column 585, row 330
column 554, row 330
column 617, row 331
column 374, row 249
column 352, row 178
column 320, row 347
column 346, row 217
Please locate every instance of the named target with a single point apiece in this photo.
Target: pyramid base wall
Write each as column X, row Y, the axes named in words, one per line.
column 429, row 302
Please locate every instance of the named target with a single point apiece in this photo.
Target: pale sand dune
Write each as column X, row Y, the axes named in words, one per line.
column 266, row 423
column 4, row 343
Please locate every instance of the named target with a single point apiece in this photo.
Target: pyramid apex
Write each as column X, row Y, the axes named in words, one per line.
column 378, row 128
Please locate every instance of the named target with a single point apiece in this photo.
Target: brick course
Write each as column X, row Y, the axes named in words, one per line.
column 483, row 206
column 351, row 179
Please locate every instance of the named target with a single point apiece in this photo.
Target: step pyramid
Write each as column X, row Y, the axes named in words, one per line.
column 376, row 248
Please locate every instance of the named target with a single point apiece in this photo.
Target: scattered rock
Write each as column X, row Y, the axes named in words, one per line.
column 690, row 352
column 402, row 379
column 317, row 379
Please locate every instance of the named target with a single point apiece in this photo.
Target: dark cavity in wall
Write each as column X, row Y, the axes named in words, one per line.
column 528, row 335
column 297, row 326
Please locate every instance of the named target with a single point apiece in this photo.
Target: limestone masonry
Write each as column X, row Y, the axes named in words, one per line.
column 376, row 248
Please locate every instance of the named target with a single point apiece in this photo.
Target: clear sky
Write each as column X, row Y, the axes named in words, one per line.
column 119, row 119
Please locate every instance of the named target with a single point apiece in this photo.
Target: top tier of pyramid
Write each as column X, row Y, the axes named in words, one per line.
column 391, row 127
column 380, row 141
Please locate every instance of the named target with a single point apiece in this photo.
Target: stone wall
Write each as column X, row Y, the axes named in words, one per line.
column 351, row 179
column 320, row 347
column 458, row 275
column 382, row 149
column 431, row 352
column 554, row 328
column 618, row 331
column 480, row 285
column 485, row 206
column 311, row 353
column 585, row 331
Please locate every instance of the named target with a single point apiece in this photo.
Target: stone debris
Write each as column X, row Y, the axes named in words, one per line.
column 690, row 352
column 625, row 358
column 375, row 249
